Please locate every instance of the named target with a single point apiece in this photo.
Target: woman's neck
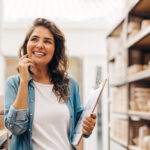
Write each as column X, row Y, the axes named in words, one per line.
column 41, row 76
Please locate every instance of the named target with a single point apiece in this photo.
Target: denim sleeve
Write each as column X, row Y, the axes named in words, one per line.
column 16, row 120
column 79, row 107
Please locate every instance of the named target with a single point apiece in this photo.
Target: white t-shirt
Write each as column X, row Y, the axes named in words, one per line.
column 51, row 122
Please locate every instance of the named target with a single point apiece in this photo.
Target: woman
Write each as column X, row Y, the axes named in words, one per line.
column 42, row 103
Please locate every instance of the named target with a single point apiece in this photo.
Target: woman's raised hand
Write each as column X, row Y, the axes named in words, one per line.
column 24, row 63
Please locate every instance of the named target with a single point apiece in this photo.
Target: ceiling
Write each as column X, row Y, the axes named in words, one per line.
column 63, row 10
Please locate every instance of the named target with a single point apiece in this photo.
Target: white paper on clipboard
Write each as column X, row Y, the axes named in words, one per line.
column 92, row 101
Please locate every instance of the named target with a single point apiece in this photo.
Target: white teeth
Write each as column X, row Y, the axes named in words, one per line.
column 38, row 54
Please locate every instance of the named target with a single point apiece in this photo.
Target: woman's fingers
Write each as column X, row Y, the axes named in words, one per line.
column 89, row 121
column 93, row 115
column 24, row 56
column 25, row 60
column 89, row 124
column 87, row 129
column 23, row 65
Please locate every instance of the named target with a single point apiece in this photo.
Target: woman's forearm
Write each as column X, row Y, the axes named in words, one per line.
column 21, row 101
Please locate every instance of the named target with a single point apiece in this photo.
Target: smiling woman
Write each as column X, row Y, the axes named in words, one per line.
column 44, row 36
column 41, row 46
column 42, row 109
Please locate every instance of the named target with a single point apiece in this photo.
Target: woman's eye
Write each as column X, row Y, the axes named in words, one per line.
column 48, row 42
column 34, row 39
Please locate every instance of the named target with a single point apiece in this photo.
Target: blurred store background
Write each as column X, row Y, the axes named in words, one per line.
column 102, row 36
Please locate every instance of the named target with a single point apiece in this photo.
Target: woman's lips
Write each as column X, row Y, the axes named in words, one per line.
column 39, row 54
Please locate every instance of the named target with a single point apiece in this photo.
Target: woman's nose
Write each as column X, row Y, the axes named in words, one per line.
column 40, row 44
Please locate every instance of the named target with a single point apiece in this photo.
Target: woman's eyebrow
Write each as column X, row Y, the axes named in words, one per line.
column 34, row 36
column 46, row 38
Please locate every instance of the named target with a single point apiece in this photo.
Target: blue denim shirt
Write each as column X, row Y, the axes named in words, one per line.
column 20, row 122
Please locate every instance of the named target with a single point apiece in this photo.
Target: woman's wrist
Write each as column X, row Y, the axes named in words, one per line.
column 24, row 82
column 21, row 101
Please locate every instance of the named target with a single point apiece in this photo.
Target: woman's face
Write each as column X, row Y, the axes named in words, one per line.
column 41, row 46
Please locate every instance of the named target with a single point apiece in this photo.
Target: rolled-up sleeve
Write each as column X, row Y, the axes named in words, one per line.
column 16, row 120
column 80, row 109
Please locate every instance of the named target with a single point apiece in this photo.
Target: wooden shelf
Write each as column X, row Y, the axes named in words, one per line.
column 122, row 113
column 115, row 29
column 142, row 7
column 139, row 76
column 140, row 114
column 141, row 39
column 133, row 147
column 4, row 134
column 123, row 143
column 119, row 83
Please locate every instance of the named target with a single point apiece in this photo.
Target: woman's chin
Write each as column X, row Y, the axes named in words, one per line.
column 38, row 63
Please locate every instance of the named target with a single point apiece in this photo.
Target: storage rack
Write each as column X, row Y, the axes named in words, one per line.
column 5, row 135
column 141, row 41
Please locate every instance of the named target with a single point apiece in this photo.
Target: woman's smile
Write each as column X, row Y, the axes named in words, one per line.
column 38, row 53
column 41, row 46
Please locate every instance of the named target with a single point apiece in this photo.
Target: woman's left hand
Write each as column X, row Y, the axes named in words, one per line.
column 89, row 124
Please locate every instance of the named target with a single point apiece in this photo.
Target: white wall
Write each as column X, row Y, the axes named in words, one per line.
column 84, row 40
column 12, row 38
column 81, row 39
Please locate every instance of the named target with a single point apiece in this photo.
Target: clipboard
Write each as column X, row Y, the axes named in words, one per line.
column 92, row 101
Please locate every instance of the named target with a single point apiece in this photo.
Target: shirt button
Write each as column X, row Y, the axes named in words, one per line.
column 29, row 130
column 31, row 115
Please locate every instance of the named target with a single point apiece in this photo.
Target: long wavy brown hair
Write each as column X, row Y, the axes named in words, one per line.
column 57, row 67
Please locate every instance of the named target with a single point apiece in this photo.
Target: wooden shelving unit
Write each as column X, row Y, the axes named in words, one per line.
column 137, row 77
column 142, row 39
column 4, row 136
column 132, row 147
column 4, row 133
column 142, row 7
column 140, row 114
column 137, row 10
column 124, row 144
column 115, row 28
